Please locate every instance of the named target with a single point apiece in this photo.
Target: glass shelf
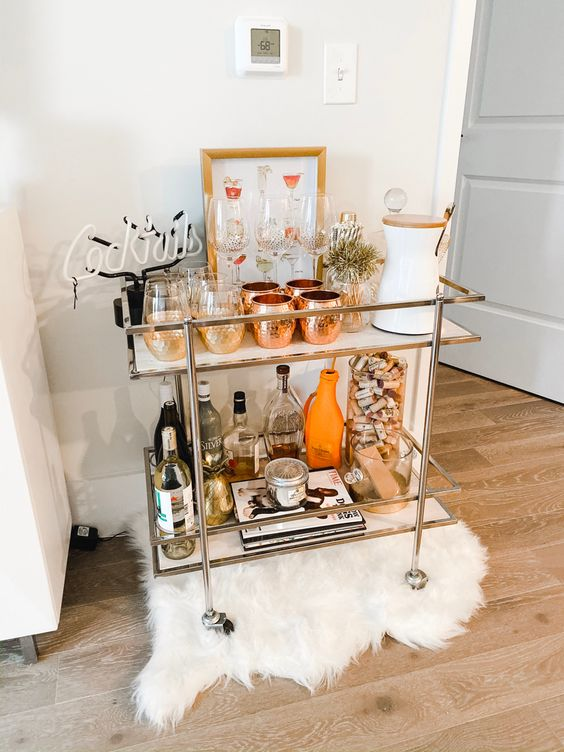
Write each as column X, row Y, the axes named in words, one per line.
column 225, row 542
column 142, row 363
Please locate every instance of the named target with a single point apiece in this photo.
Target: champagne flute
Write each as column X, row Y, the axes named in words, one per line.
column 274, row 230
column 317, row 215
column 228, row 231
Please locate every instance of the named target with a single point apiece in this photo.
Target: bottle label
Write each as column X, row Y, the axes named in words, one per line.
column 212, row 445
column 174, row 508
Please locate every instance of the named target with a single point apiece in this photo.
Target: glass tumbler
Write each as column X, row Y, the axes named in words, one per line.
column 381, row 471
column 218, row 299
column 165, row 300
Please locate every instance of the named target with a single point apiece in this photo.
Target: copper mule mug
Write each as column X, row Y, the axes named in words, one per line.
column 319, row 330
column 273, row 334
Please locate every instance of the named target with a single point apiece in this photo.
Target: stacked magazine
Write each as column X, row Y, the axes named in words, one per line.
column 326, row 492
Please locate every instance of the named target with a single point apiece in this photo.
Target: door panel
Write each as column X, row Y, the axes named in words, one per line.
column 508, row 236
column 497, row 214
column 525, row 39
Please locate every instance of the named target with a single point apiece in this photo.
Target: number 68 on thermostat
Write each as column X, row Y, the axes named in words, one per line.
column 261, row 45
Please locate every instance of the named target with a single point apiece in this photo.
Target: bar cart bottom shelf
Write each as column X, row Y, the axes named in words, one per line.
column 226, row 549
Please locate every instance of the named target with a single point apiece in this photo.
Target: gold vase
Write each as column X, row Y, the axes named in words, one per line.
column 217, row 498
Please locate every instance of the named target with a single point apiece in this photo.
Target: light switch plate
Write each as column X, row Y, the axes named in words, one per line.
column 339, row 76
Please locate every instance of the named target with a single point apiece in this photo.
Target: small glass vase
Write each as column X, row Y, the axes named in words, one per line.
column 352, row 294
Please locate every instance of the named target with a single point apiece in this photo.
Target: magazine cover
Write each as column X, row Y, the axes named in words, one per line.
column 326, row 491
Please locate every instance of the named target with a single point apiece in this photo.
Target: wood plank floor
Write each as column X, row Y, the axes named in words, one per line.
column 498, row 687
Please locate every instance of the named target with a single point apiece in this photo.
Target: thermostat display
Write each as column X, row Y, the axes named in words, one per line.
column 261, row 45
column 265, row 46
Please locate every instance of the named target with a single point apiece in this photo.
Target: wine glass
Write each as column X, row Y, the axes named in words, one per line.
column 275, row 232
column 317, row 215
column 165, row 300
column 228, row 231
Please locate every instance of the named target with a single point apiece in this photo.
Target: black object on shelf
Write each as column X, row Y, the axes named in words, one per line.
column 135, row 301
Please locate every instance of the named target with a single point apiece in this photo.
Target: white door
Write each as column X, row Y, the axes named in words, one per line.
column 509, row 228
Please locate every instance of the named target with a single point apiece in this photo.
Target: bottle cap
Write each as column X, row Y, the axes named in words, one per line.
column 204, row 389
column 283, row 370
column 347, row 216
column 165, row 392
column 239, row 403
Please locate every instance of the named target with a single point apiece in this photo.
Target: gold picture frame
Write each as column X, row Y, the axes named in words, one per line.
column 209, row 156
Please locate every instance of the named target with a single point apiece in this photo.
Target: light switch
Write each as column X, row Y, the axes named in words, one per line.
column 339, row 77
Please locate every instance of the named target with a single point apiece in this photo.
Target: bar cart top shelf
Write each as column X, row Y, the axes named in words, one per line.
column 143, row 364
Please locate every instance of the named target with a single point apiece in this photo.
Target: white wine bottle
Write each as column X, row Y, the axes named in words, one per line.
column 173, row 498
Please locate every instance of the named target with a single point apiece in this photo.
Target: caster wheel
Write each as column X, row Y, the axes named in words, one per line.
column 228, row 626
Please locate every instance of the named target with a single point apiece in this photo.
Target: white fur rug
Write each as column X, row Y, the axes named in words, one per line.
column 303, row 616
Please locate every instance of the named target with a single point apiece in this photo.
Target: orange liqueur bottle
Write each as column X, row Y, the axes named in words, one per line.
column 324, row 423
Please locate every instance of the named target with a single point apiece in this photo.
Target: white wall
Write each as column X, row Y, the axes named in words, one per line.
column 106, row 104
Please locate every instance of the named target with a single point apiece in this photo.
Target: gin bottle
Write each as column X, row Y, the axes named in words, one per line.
column 284, row 420
column 173, row 498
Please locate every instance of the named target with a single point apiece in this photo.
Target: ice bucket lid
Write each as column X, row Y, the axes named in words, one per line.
column 414, row 220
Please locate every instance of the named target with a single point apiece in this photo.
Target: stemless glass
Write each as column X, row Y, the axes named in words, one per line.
column 218, row 299
column 317, row 215
column 165, row 300
column 228, row 231
column 200, row 279
column 275, row 231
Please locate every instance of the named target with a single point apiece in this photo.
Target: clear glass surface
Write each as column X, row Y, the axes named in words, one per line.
column 317, row 216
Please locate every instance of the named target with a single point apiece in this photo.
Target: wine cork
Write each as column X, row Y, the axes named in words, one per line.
column 383, row 481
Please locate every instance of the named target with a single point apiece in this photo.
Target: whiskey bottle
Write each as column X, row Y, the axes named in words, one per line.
column 241, row 442
column 284, row 420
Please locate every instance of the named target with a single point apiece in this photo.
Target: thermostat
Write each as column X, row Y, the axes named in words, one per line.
column 261, row 45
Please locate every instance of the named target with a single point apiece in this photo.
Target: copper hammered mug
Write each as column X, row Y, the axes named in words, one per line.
column 248, row 292
column 295, row 287
column 278, row 333
column 319, row 330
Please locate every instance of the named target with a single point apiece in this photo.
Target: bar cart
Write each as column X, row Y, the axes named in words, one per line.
column 219, row 545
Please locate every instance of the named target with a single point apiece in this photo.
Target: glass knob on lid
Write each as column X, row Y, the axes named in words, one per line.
column 395, row 200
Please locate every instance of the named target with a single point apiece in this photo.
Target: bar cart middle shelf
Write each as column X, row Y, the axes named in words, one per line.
column 219, row 546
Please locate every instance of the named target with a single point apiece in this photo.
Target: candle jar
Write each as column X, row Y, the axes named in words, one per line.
column 376, row 397
column 286, row 482
column 277, row 333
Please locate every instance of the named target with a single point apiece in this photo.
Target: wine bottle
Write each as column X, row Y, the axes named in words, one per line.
column 169, row 417
column 241, row 441
column 173, row 498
